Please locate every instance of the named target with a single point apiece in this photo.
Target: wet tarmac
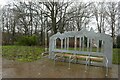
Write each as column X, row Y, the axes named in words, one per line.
column 45, row 68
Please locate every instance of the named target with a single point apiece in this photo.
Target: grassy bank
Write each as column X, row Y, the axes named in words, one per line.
column 22, row 53
column 32, row 53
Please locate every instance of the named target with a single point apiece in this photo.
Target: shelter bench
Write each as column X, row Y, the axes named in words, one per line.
column 88, row 42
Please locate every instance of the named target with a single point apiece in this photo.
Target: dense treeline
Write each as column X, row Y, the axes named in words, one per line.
column 29, row 19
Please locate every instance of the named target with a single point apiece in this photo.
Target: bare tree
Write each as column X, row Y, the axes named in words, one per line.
column 112, row 18
column 79, row 15
column 118, row 18
column 7, row 22
column 56, row 12
column 99, row 11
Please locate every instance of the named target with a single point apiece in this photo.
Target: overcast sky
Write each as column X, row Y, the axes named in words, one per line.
column 3, row 2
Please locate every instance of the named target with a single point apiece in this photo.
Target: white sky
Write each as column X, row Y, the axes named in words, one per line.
column 3, row 2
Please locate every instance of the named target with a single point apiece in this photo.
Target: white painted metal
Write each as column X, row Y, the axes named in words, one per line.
column 83, row 43
column 67, row 43
column 80, row 44
column 88, row 44
column 91, row 45
column 55, row 43
column 102, row 46
column 92, row 36
column 61, row 43
column 75, row 45
column 97, row 45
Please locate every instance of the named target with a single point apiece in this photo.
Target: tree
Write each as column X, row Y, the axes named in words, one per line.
column 7, row 19
column 78, row 16
column 99, row 12
column 112, row 18
column 56, row 12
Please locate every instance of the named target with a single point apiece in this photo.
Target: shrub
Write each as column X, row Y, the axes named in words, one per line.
column 28, row 40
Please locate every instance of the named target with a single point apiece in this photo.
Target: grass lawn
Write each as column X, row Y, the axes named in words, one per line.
column 32, row 53
column 22, row 53
column 116, row 56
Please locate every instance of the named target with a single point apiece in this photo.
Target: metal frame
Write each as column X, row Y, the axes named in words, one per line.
column 93, row 39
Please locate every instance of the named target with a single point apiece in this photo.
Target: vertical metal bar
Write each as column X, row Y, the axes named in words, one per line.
column 83, row 43
column 55, row 43
column 64, row 43
column 101, row 46
column 97, row 45
column 88, row 44
column 67, row 43
column 75, row 43
column 91, row 45
column 46, row 40
column 61, row 43
column 80, row 44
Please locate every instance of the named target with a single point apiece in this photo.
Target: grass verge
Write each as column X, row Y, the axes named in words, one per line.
column 22, row 53
column 32, row 53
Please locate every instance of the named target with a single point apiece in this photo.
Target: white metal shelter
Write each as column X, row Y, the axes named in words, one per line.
column 93, row 40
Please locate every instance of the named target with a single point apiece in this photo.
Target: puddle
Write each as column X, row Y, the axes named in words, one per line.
column 45, row 68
